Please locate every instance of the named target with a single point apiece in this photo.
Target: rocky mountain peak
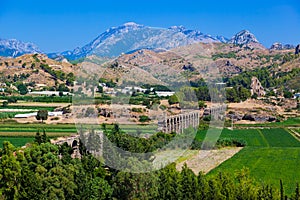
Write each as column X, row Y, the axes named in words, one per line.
column 14, row 48
column 178, row 28
column 280, row 46
column 243, row 37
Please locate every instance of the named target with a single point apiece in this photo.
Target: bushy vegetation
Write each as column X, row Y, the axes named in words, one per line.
column 48, row 99
column 46, row 171
column 265, row 76
column 224, row 55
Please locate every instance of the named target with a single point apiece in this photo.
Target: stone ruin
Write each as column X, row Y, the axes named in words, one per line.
column 257, row 88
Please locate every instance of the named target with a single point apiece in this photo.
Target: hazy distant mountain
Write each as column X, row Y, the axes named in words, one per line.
column 280, row 46
column 131, row 36
column 14, row 48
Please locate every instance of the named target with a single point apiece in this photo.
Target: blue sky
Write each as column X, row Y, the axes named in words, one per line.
column 59, row 25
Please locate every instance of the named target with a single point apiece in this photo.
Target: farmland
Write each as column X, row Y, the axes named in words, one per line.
column 16, row 141
column 270, row 155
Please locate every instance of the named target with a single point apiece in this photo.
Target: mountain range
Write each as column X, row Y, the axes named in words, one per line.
column 14, row 48
column 130, row 37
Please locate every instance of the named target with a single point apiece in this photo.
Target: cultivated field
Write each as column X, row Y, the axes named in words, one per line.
column 270, row 155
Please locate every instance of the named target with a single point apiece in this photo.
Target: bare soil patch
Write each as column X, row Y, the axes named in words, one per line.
column 206, row 160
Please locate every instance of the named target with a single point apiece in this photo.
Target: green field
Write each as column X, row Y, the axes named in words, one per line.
column 258, row 137
column 7, row 129
column 49, row 108
column 20, row 134
column 16, row 141
column 270, row 154
column 291, row 122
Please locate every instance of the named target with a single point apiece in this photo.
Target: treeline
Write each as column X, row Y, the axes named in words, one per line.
column 46, row 171
column 54, row 99
column 58, row 74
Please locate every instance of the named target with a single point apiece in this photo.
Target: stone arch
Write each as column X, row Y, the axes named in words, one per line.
column 75, row 143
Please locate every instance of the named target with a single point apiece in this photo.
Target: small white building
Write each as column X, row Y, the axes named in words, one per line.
column 297, row 95
column 27, row 115
column 164, row 94
column 50, row 114
column 48, row 93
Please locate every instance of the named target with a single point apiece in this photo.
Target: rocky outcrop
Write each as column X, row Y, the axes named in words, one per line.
column 280, row 46
column 227, row 68
column 243, row 37
column 259, row 118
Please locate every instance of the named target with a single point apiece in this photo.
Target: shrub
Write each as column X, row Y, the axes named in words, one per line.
column 144, row 118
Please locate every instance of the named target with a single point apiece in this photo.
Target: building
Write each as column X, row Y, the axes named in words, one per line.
column 257, row 88
column 164, row 94
column 50, row 114
column 48, row 93
column 297, row 96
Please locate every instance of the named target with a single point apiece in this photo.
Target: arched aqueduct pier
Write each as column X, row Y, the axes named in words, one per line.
column 177, row 123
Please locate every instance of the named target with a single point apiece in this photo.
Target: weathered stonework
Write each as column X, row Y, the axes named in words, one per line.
column 257, row 88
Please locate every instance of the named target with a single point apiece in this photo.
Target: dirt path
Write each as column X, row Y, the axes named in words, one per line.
column 207, row 160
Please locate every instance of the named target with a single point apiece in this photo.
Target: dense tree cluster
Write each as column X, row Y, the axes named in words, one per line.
column 46, row 171
column 267, row 76
column 237, row 94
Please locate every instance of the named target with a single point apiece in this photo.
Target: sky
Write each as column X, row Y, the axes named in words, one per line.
column 59, row 25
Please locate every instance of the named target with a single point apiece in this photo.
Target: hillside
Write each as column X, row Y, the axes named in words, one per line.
column 36, row 70
column 194, row 61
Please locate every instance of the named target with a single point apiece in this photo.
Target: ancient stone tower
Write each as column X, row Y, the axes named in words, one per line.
column 257, row 88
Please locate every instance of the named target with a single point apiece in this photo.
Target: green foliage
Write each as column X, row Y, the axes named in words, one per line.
column 138, row 110
column 224, row 55
column 4, row 103
column 48, row 99
column 57, row 74
column 173, row 99
column 287, row 94
column 266, row 76
column 237, row 94
column 46, row 171
column 42, row 115
column 39, row 139
column 22, row 89
column 202, row 104
column 144, row 118
column 100, row 89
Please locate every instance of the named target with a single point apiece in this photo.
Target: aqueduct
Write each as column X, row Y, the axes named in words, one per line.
column 177, row 123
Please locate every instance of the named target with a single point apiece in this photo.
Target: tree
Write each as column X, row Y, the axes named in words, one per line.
column 22, row 89
column 4, row 103
column 41, row 138
column 287, row 94
column 100, row 89
column 202, row 104
column 144, row 118
column 38, row 138
column 42, row 115
column 173, row 99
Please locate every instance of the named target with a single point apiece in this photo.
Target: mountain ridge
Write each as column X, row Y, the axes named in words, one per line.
column 130, row 37
column 14, row 48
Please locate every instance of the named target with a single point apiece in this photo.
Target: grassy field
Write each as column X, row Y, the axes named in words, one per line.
column 258, row 137
column 49, row 108
column 291, row 122
column 267, row 165
column 16, row 141
column 20, row 134
column 6, row 128
column 271, row 155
